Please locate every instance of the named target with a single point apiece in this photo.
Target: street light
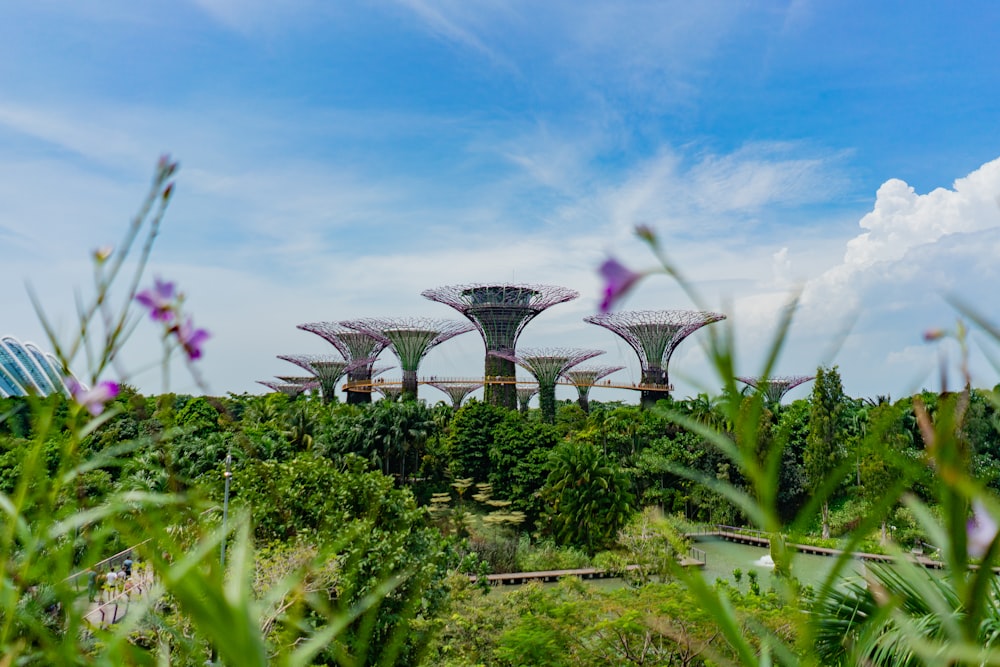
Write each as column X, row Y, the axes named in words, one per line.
column 225, row 514
column 225, row 509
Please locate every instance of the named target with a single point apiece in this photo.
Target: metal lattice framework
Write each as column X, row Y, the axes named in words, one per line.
column 456, row 392
column 354, row 346
column 547, row 365
column 524, row 395
column 391, row 392
column 585, row 378
column 327, row 369
column 500, row 312
column 775, row 388
column 654, row 335
column 292, row 389
column 410, row 339
column 298, row 379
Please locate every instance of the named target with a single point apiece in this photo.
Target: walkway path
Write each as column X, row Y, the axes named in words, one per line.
column 113, row 602
column 756, row 538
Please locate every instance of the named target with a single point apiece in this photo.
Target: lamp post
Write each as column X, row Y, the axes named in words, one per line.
column 225, row 509
column 225, row 514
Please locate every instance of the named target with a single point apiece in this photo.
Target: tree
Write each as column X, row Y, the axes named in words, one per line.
column 519, row 457
column 824, row 449
column 883, row 456
column 373, row 531
column 471, row 438
column 587, row 497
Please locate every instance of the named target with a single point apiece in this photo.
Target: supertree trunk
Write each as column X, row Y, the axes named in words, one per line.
column 503, row 395
column 409, row 386
column 547, row 401
column 359, row 397
column 653, row 376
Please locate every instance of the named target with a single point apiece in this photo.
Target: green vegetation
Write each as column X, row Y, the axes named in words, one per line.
column 356, row 534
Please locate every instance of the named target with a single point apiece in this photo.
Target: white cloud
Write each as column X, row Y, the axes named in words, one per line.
column 897, row 274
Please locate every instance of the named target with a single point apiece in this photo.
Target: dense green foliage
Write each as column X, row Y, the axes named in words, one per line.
column 342, row 488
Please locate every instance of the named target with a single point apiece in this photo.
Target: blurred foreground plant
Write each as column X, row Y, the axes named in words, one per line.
column 53, row 529
column 900, row 614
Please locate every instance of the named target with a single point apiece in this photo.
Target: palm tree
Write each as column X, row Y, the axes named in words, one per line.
column 852, row 623
column 588, row 498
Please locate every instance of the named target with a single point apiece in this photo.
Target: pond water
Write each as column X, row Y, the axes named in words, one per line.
column 723, row 557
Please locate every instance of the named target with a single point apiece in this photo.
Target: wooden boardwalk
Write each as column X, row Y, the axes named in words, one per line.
column 755, row 538
column 548, row 576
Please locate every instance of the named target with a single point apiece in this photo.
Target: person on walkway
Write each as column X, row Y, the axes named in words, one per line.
column 91, row 584
column 110, row 582
column 127, row 567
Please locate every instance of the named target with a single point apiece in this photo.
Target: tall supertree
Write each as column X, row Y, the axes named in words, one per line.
column 457, row 391
column 500, row 312
column 292, row 389
column 410, row 338
column 547, row 365
column 775, row 388
column 654, row 335
column 525, row 392
column 584, row 378
column 327, row 369
column 357, row 347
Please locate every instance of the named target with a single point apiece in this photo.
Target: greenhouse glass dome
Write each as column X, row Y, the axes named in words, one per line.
column 25, row 369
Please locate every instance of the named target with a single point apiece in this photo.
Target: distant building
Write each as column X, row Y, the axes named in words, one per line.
column 25, row 369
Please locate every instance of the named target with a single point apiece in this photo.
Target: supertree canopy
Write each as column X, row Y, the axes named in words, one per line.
column 457, row 391
column 654, row 335
column 307, row 382
column 525, row 392
column 500, row 312
column 290, row 388
column 547, row 365
column 357, row 347
column 584, row 379
column 327, row 369
column 775, row 388
column 410, row 338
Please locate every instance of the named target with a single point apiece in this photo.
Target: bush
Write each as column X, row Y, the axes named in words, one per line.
column 546, row 555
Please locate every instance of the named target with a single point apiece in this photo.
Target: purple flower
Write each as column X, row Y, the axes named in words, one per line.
column 160, row 300
column 192, row 339
column 932, row 335
column 93, row 399
column 982, row 530
column 618, row 280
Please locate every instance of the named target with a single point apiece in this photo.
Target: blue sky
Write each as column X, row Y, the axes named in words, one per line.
column 338, row 158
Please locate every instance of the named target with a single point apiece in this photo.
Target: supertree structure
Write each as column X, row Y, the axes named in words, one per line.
column 327, row 369
column 775, row 388
column 298, row 379
column 654, row 335
column 525, row 392
column 357, row 347
column 547, row 365
column 391, row 392
column 584, row 378
column 410, row 338
column 457, row 391
column 292, row 389
column 500, row 312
